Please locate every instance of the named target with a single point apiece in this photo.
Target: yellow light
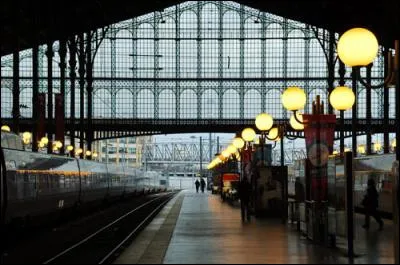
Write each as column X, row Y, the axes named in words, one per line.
column 264, row 122
column 79, row 151
column 26, row 140
column 231, row 149
column 257, row 140
column 357, row 47
column 335, row 153
column 394, row 143
column 347, row 150
column 70, row 148
column 361, row 149
column 237, row 154
column 248, row 134
column 88, row 153
column 273, row 134
column 5, row 128
column 58, row 144
column 95, row 155
column 41, row 145
column 55, row 148
column 27, row 135
column 296, row 125
column 342, row 98
column 377, row 147
column 294, row 98
column 238, row 142
column 44, row 140
column 225, row 153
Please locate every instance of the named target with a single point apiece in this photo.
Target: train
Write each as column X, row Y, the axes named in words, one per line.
column 37, row 185
column 377, row 167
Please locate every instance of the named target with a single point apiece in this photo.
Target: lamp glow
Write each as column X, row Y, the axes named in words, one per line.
column 27, row 135
column 225, row 153
column 79, row 151
column 5, row 128
column 44, row 140
column 238, row 142
column 377, row 147
column 231, row 149
column 58, row 144
column 88, row 153
column 26, row 141
column 296, row 125
column 70, row 148
column 95, row 155
column 274, row 134
column 335, row 153
column 361, row 149
column 264, row 122
column 237, row 154
column 342, row 98
column 248, row 134
column 357, row 47
column 294, row 98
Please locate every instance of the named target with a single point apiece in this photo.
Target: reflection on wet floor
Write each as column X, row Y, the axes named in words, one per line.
column 209, row 231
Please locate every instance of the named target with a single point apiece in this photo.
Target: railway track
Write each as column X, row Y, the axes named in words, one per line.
column 103, row 245
column 94, row 238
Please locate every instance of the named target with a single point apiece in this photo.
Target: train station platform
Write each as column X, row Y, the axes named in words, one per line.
column 201, row 229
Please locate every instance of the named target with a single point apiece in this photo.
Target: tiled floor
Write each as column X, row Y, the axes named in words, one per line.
column 209, row 231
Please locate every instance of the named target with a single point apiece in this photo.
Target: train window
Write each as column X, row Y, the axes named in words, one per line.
column 11, row 141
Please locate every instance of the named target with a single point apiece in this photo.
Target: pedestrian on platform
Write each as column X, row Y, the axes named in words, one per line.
column 197, row 183
column 203, row 185
column 370, row 203
column 244, row 195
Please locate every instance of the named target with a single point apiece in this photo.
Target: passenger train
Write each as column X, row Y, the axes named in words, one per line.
column 37, row 184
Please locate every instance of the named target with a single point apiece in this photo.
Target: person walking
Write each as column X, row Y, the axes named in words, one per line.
column 197, row 183
column 244, row 195
column 370, row 203
column 202, row 184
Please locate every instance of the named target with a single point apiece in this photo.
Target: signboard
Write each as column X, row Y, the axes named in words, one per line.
column 230, row 177
column 319, row 132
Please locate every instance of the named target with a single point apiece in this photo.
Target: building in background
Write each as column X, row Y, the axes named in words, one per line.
column 127, row 151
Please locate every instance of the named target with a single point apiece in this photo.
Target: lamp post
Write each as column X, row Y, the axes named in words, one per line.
column 342, row 98
column 358, row 47
column 319, row 132
column 264, row 123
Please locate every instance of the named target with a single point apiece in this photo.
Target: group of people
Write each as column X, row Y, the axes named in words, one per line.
column 200, row 184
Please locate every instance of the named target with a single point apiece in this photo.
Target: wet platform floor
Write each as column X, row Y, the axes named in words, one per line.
column 208, row 231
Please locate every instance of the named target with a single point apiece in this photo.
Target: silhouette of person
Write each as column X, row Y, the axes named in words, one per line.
column 370, row 203
column 244, row 194
column 203, row 184
column 197, row 183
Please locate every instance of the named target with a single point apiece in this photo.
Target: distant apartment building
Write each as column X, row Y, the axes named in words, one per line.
column 127, row 151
